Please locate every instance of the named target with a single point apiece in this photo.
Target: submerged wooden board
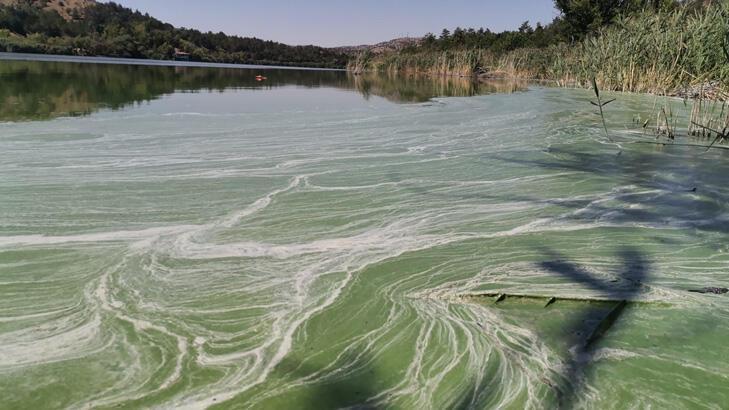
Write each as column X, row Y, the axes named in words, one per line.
column 606, row 323
column 549, row 300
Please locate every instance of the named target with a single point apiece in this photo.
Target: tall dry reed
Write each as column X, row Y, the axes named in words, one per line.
column 656, row 53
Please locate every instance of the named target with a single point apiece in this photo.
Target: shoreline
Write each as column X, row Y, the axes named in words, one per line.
column 709, row 90
column 59, row 58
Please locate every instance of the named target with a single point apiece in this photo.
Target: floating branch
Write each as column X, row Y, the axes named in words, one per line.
column 712, row 290
column 720, row 135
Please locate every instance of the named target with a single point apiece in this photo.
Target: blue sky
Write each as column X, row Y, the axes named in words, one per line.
column 343, row 22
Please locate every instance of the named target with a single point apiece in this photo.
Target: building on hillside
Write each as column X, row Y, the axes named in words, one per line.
column 181, row 55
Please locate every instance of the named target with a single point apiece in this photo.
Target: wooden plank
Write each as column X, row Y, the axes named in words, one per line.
column 501, row 296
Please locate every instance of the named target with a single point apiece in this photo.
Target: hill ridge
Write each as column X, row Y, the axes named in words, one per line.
column 91, row 28
column 68, row 9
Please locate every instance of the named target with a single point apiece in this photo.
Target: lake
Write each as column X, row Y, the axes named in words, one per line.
column 190, row 237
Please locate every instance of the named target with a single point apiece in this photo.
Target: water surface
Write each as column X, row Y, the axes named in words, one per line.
column 190, row 238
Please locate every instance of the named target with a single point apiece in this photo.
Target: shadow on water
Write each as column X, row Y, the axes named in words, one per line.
column 474, row 392
column 653, row 189
column 660, row 189
column 352, row 385
column 669, row 187
column 656, row 189
column 588, row 328
column 356, row 384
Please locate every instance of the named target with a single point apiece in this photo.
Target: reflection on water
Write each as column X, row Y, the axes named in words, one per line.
column 413, row 89
column 35, row 90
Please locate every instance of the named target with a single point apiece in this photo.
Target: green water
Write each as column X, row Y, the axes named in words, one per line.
column 190, row 238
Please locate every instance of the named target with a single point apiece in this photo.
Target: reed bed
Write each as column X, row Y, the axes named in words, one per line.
column 707, row 124
column 710, row 120
column 655, row 53
column 449, row 62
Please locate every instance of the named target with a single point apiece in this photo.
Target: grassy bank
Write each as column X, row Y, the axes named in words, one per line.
column 657, row 53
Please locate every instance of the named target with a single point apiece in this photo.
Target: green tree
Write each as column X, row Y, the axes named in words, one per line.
column 582, row 17
column 112, row 30
column 429, row 40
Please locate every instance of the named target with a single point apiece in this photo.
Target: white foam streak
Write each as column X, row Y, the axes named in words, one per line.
column 116, row 236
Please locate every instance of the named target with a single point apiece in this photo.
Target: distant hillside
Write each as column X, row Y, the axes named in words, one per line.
column 386, row 46
column 68, row 9
column 87, row 27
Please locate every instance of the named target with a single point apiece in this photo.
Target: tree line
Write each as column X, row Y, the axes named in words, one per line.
column 109, row 29
column 577, row 20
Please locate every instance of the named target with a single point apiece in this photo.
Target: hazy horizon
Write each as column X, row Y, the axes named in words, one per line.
column 330, row 23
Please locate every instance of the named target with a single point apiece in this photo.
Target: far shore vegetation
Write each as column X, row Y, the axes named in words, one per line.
column 111, row 30
column 664, row 47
